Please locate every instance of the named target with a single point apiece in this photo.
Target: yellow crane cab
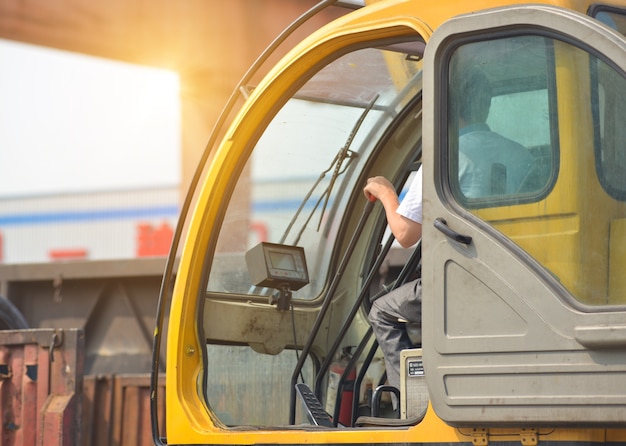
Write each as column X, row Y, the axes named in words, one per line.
column 278, row 255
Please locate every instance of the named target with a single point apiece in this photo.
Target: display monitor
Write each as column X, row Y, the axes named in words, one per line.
column 275, row 266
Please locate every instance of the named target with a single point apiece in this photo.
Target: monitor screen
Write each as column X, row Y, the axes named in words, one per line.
column 282, row 260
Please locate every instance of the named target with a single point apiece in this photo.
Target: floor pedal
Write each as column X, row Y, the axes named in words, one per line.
column 315, row 411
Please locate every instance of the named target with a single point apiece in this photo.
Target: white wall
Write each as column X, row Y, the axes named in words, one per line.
column 75, row 129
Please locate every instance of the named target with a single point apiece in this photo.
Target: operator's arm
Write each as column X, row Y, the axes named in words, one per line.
column 406, row 231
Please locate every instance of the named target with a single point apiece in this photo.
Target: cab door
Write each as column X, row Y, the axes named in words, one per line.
column 523, row 312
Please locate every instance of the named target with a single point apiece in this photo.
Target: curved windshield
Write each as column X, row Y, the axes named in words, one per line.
column 294, row 191
column 307, row 154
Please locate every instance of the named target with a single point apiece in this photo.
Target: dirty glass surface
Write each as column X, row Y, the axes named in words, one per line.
column 294, row 190
column 502, row 125
column 536, row 120
column 311, row 150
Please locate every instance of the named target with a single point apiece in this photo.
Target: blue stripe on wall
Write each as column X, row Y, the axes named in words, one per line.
column 88, row 216
column 166, row 211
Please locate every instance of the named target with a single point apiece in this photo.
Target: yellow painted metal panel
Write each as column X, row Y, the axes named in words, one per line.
column 617, row 262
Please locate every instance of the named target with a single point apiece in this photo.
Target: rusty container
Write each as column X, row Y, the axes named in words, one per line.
column 116, row 410
column 41, row 386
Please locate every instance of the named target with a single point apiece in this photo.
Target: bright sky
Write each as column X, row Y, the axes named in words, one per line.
column 73, row 123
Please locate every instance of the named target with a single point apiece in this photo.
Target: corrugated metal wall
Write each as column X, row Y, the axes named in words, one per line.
column 81, row 226
column 210, row 45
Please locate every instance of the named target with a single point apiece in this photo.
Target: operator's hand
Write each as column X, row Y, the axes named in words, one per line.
column 406, row 231
column 377, row 188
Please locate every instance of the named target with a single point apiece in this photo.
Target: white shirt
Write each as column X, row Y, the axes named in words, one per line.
column 411, row 205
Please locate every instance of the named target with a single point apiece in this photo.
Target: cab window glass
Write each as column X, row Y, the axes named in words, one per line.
column 545, row 165
column 307, row 153
column 609, row 108
column 234, row 380
column 295, row 190
column 501, row 127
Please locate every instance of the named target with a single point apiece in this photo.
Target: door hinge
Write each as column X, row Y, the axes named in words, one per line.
column 480, row 437
column 529, row 437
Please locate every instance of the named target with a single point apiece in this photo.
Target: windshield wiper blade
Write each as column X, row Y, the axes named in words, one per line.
column 338, row 167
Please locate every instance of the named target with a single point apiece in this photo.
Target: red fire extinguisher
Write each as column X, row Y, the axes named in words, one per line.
column 335, row 373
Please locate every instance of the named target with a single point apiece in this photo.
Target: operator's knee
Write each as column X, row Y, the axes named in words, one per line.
column 374, row 314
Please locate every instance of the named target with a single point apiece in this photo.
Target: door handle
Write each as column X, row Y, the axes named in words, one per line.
column 442, row 226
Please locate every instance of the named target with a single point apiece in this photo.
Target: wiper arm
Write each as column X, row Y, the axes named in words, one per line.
column 339, row 168
column 344, row 153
